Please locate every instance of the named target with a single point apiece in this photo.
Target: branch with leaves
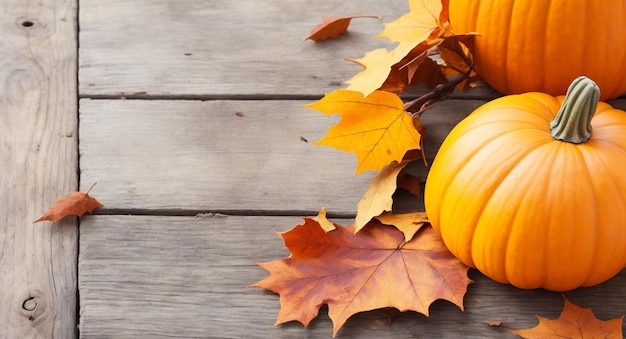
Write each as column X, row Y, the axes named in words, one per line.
column 386, row 135
column 371, row 264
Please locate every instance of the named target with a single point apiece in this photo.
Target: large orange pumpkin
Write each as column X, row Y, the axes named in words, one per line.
column 531, row 189
column 542, row 45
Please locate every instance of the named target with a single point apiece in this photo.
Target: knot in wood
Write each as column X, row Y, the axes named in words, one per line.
column 30, row 304
column 33, row 306
column 27, row 23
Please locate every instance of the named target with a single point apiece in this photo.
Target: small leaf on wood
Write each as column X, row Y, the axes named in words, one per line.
column 574, row 322
column 78, row 203
column 493, row 323
column 332, row 27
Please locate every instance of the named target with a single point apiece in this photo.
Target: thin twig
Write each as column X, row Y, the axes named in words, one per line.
column 440, row 92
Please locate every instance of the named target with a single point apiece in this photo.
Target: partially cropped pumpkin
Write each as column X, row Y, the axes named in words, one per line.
column 530, row 189
column 542, row 45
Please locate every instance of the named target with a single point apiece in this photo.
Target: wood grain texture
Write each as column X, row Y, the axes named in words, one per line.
column 183, row 276
column 214, row 156
column 226, row 156
column 222, row 47
column 38, row 162
column 188, row 277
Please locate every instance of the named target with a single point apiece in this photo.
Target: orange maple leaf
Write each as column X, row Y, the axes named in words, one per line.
column 379, row 195
column 416, row 32
column 574, row 322
column 376, row 128
column 407, row 223
column 332, row 27
column 78, row 204
column 352, row 273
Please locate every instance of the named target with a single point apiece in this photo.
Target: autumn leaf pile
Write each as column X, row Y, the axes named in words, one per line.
column 384, row 259
column 375, row 268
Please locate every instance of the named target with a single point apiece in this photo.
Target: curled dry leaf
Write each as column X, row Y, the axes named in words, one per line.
column 455, row 51
column 574, row 322
column 493, row 323
column 78, row 204
column 375, row 268
column 410, row 183
column 379, row 195
column 332, row 27
column 407, row 223
column 325, row 224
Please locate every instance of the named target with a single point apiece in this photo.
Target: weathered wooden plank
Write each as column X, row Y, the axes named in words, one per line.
column 150, row 276
column 221, row 47
column 38, row 162
column 225, row 48
column 225, row 155
column 214, row 156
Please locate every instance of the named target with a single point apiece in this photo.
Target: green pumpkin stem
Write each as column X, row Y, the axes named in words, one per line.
column 573, row 121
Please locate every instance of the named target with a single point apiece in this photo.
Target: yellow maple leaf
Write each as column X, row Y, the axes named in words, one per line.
column 421, row 23
column 419, row 27
column 376, row 128
column 379, row 195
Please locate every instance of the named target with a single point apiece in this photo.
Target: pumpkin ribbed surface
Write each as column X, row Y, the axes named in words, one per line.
column 526, row 209
column 541, row 45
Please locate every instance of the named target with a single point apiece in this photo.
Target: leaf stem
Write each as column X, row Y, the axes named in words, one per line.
column 89, row 190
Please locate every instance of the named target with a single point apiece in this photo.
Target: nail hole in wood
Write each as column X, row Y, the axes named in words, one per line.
column 27, row 23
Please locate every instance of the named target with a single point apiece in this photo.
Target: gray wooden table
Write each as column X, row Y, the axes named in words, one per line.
column 188, row 114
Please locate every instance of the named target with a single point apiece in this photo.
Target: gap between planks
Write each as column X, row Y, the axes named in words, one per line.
column 233, row 212
column 266, row 97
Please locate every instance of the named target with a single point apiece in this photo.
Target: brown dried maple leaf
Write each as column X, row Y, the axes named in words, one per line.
column 374, row 268
column 78, row 204
column 415, row 68
column 574, row 322
column 332, row 27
